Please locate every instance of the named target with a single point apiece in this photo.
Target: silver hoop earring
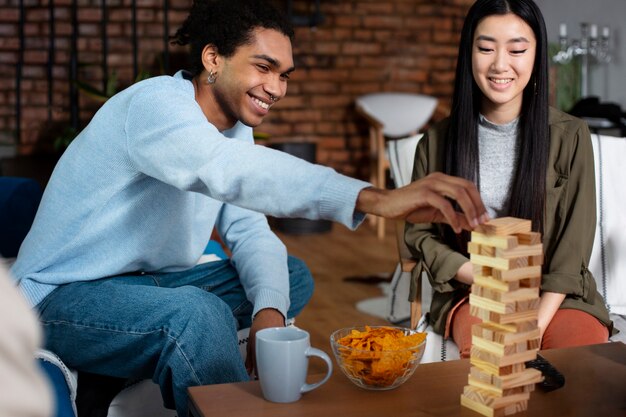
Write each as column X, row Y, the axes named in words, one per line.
column 210, row 79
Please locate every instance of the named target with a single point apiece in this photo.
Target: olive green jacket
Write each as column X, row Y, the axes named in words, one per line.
column 569, row 227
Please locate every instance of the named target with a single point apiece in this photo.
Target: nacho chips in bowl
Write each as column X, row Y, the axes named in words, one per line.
column 378, row 357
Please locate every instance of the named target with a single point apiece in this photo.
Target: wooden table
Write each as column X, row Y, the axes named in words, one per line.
column 595, row 385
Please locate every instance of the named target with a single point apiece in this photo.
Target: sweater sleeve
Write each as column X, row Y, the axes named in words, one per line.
column 259, row 257
column 423, row 239
column 571, row 214
column 170, row 139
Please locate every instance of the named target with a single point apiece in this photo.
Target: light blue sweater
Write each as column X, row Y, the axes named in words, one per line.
column 143, row 185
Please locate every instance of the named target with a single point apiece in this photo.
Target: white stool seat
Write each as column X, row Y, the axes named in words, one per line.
column 400, row 114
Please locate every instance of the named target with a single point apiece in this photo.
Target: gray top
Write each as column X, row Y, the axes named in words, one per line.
column 497, row 149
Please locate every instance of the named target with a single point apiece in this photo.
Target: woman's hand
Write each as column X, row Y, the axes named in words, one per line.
column 548, row 306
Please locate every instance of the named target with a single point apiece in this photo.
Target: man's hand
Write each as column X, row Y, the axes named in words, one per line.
column 426, row 201
column 265, row 318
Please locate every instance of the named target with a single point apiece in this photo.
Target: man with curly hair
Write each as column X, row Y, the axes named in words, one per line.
column 110, row 262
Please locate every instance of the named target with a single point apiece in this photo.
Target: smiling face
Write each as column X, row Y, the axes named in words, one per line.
column 251, row 80
column 503, row 57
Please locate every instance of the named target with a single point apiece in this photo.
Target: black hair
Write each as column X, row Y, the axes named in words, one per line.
column 528, row 188
column 227, row 24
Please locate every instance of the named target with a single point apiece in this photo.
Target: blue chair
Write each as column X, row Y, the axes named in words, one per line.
column 63, row 383
column 19, row 200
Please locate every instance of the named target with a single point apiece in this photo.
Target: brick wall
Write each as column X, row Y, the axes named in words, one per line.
column 45, row 86
column 362, row 46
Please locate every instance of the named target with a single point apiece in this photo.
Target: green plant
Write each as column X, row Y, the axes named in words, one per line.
column 260, row 136
column 110, row 89
column 566, row 82
column 69, row 133
column 64, row 139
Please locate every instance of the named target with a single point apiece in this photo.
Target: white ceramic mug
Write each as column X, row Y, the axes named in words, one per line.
column 282, row 360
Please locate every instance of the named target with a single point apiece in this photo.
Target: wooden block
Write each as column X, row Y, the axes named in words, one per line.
column 502, row 242
column 486, row 331
column 503, row 308
column 530, row 282
column 505, row 296
column 528, row 238
column 491, row 305
column 520, row 250
column 504, row 264
column 520, row 346
column 516, row 345
column 487, row 360
column 488, row 282
column 516, row 317
column 519, row 327
column 518, row 390
column 534, row 343
column 492, row 347
column 514, row 337
column 503, row 392
column 520, row 294
column 478, row 407
column 517, row 274
column 492, row 389
column 475, row 248
column 505, row 226
column 483, row 271
column 528, row 377
column 498, row 370
column 493, row 412
column 484, row 292
column 529, row 304
column 514, row 408
column 485, row 377
column 493, row 332
column 535, row 260
column 499, row 348
column 493, row 401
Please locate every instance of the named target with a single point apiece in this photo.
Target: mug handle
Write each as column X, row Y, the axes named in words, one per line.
column 311, row 351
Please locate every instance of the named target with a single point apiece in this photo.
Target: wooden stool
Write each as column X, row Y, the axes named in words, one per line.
column 391, row 115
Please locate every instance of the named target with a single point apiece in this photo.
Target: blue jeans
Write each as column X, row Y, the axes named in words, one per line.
column 178, row 329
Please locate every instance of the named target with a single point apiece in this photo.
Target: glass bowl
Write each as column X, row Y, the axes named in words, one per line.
column 371, row 362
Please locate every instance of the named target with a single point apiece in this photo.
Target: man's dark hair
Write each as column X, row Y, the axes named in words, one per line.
column 227, row 24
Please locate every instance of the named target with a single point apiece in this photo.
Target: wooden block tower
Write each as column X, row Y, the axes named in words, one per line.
column 506, row 258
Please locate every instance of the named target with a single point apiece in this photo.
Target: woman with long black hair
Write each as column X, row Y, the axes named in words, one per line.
column 529, row 161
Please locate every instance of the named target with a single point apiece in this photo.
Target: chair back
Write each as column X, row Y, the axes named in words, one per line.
column 401, row 158
column 608, row 260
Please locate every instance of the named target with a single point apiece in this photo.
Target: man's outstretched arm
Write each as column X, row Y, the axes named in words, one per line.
column 427, row 200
